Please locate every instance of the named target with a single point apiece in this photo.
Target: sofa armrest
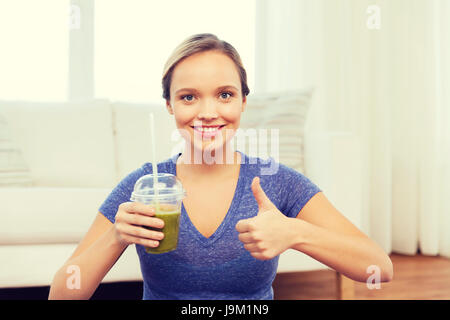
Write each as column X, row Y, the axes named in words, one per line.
column 40, row 229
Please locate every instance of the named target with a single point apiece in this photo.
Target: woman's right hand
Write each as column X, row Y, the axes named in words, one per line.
column 132, row 218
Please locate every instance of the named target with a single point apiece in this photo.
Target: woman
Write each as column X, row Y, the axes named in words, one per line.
column 235, row 222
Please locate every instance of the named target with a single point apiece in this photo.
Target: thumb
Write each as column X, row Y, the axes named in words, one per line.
column 260, row 196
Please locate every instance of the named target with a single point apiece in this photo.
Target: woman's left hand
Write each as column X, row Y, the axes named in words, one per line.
column 270, row 232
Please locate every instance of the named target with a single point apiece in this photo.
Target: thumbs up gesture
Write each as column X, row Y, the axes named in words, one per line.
column 268, row 233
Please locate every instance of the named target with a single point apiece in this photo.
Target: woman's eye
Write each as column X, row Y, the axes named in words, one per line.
column 223, row 95
column 188, row 96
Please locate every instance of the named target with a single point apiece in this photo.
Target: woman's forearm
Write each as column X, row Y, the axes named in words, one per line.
column 90, row 267
column 348, row 254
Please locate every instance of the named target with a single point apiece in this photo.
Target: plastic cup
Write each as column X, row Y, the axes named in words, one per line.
column 167, row 203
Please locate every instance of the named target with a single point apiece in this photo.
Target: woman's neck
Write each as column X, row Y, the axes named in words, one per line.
column 212, row 166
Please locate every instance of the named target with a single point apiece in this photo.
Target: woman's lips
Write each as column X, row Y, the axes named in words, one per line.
column 209, row 132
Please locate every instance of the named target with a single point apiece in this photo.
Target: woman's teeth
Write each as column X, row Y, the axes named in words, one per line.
column 208, row 129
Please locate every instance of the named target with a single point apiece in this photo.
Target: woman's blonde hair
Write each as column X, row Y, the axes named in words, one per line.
column 200, row 43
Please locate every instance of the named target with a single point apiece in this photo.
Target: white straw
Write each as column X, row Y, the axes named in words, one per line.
column 154, row 164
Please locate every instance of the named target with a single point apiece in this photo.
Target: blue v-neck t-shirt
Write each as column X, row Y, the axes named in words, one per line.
column 217, row 267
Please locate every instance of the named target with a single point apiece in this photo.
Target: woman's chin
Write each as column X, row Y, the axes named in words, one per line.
column 209, row 147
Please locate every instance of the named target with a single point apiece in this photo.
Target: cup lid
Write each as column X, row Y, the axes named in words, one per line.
column 168, row 185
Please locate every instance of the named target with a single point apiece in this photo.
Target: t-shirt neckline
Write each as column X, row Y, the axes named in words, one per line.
column 207, row 241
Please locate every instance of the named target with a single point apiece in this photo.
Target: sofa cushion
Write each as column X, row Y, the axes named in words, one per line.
column 133, row 135
column 39, row 215
column 28, row 266
column 64, row 144
column 284, row 112
column 13, row 169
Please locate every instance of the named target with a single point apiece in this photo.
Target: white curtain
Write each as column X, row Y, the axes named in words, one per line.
column 389, row 83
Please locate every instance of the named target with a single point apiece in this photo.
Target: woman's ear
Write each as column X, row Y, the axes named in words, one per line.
column 169, row 107
column 244, row 103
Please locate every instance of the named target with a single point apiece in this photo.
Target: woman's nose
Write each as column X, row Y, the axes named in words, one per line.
column 207, row 111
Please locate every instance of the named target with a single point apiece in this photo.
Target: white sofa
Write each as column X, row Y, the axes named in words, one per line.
column 77, row 152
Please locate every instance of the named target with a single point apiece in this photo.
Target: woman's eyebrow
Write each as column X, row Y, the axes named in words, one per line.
column 219, row 88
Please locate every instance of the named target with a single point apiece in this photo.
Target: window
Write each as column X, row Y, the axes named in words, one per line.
column 134, row 38
column 34, row 40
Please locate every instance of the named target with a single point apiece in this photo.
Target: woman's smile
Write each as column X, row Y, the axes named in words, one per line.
column 208, row 131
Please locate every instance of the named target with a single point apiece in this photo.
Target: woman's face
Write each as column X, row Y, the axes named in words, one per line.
column 206, row 92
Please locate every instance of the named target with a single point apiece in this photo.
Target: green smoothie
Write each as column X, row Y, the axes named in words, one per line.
column 170, row 230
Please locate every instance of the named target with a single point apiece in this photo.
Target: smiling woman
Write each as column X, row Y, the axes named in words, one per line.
column 235, row 220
